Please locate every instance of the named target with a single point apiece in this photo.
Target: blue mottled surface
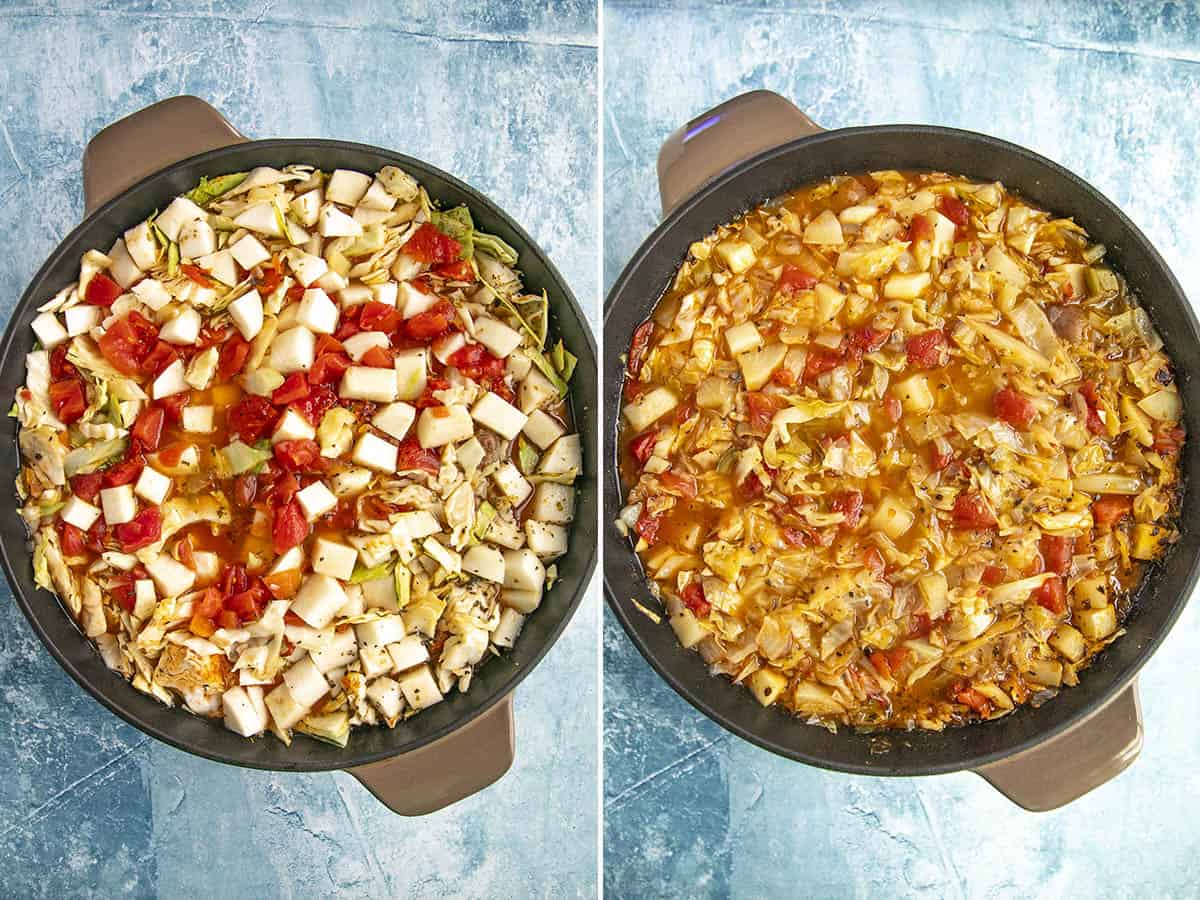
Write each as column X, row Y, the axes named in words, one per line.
column 1109, row 89
column 500, row 94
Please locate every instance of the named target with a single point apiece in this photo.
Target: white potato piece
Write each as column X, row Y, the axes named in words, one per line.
column 333, row 558
column 411, row 369
column 152, row 485
column 543, row 429
column 141, row 245
column 395, row 419
column 494, row 412
column 499, row 339
column 319, row 600
column 368, row 383
column 420, row 688
column 171, row 577
column 292, row 426
column 49, row 330
column 548, row 541
column 523, row 571
column 247, row 313
column 292, row 351
column 375, row 453
column 81, row 319
column 553, row 503
column 441, row 425
column 317, row 312
column 80, row 513
column 316, row 500
column 178, row 213
column 347, row 187
column 484, row 561
column 118, row 504
column 650, row 407
column 305, row 681
column 284, row 709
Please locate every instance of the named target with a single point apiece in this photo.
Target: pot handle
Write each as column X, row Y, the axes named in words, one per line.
column 1066, row 767
column 148, row 140
column 450, row 769
column 727, row 134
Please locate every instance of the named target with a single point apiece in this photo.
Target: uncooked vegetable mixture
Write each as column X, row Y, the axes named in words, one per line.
column 296, row 452
column 898, row 449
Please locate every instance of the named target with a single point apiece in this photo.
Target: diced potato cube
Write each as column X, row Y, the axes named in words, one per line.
column 380, row 632
column 249, row 252
column 564, row 457
column 485, row 562
column 1097, row 624
column 368, row 383
column 333, row 559
column 535, row 391
column 892, row 517
column 316, row 500
column 292, row 426
column 395, row 419
column 152, row 486
column 934, row 591
column 247, row 312
column 292, row 351
column 319, row 600
column 738, row 255
column 307, row 268
column 742, row 338
column 183, row 329
column 335, row 223
column 686, row 626
column 758, row 366
column 914, row 394
column 413, row 301
column 512, row 483
column 198, row 419
column 178, row 213
column 118, row 504
column 347, row 187
column 825, row 229
column 385, row 694
column 80, row 513
column 767, row 685
column 441, row 425
column 553, row 503
column 380, row 593
column 546, row 540
column 523, row 571
column 906, row 286
column 241, row 715
column 357, row 345
column 172, row 380
column 171, row 577
column 494, row 412
column 420, row 688
column 543, row 429
column 283, row 707
column 496, row 336
column 317, row 312
column 408, row 652
column 80, row 319
column 508, row 629
column 522, row 601
column 305, row 681
column 649, row 408
column 1069, row 642
column 1149, row 540
column 411, row 367
column 1093, row 590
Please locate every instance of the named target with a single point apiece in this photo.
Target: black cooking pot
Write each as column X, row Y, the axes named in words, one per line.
column 759, row 146
column 450, row 750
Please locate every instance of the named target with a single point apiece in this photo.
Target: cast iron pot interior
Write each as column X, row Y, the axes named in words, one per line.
column 1162, row 595
column 209, row 738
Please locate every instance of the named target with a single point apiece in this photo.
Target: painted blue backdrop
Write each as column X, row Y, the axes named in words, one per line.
column 1110, row 90
column 500, row 94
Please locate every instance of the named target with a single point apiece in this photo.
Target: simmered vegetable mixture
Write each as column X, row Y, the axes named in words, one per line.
column 898, row 448
column 295, row 451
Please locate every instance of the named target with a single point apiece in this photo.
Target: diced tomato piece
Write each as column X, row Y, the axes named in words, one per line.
column 940, row 458
column 642, row 446
column 127, row 342
column 378, row 358
column 760, row 409
column 68, row 399
column 148, row 428
column 250, row 603
column 212, row 337
column 793, row 279
column 197, row 274
column 283, row 585
column 992, row 575
column 319, row 401
column 783, row 376
column 245, row 488
column 123, row 592
column 850, row 503
column 269, row 279
column 329, row 368
column 298, row 456
column 971, row 512
column 234, row 353
column 1013, row 408
column 158, row 359
column 327, row 343
column 427, row 400
column 921, row 625
column 97, row 536
column 920, row 228
column 377, row 316
column 796, row 537
column 637, row 349
column 819, row 361
column 868, row 339
column 460, row 270
column 1057, row 552
column 1052, row 595
column 142, row 531
column 86, row 487
column 209, row 603
column 284, row 489
column 173, row 406
column 429, row 245
column 1111, row 509
column 294, row 387
column 926, row 350
column 954, row 210
column 252, row 417
column 125, row 472
column 233, row 579
column 1091, row 399
column 892, row 408
column 295, row 293
column 1169, row 440
column 290, row 527
column 186, row 553
column 430, row 324
column 227, row 618
column 71, row 537
column 693, row 598
column 102, row 290
column 887, row 662
column 977, row 701
column 60, row 366
column 682, row 484
column 647, row 527
column 474, row 361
